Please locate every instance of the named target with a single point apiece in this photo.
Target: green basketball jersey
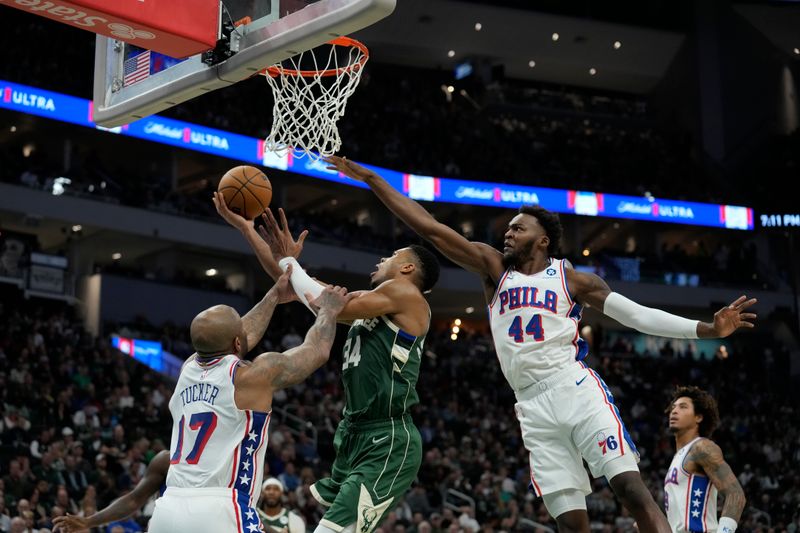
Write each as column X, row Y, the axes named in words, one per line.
column 284, row 521
column 380, row 370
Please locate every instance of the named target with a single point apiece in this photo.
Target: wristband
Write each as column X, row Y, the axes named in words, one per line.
column 302, row 283
column 726, row 525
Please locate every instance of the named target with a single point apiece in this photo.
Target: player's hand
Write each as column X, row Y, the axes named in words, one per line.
column 279, row 238
column 732, row 317
column 331, row 299
column 70, row 524
column 348, row 168
column 237, row 221
column 283, row 288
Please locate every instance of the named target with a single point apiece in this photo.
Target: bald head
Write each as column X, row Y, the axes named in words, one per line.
column 215, row 330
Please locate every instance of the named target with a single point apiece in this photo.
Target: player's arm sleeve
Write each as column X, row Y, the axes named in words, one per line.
column 648, row 320
column 302, row 283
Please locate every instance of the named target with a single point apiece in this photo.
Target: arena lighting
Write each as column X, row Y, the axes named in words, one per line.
column 456, row 329
column 450, row 89
column 478, row 26
column 60, row 185
column 14, row 128
column 554, row 37
column 451, row 53
column 453, row 337
column 617, row 45
column 211, row 272
column 116, row 256
column 457, row 322
column 76, row 228
column 586, row 252
column 797, row 51
column 531, row 63
column 592, row 71
column 469, row 310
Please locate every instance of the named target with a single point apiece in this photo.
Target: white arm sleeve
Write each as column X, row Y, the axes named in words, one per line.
column 302, row 283
column 648, row 320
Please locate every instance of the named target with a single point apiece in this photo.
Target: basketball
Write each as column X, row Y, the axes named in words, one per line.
column 247, row 191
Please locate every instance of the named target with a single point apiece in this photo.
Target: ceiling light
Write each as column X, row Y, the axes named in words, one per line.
column 211, row 272
column 531, row 63
column 554, row 36
column 14, row 128
column 456, row 329
column 617, row 45
column 457, row 322
column 586, row 252
column 450, row 88
column 453, row 337
column 451, row 53
column 469, row 310
column 76, row 228
column 592, row 71
column 116, row 256
column 478, row 26
column 797, row 51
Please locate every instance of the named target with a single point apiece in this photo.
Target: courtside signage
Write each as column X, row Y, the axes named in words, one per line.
column 242, row 148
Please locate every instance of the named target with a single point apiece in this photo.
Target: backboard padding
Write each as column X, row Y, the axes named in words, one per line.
column 266, row 41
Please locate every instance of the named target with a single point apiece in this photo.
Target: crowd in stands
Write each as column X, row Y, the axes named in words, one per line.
column 79, row 423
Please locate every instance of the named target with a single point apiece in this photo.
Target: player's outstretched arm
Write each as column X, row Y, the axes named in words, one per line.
column 592, row 290
column 708, row 455
column 154, row 477
column 473, row 256
column 280, row 370
column 262, row 250
column 255, row 322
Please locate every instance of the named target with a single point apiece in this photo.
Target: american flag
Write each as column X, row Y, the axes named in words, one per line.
column 136, row 68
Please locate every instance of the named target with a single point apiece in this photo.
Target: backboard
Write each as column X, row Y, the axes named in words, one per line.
column 131, row 82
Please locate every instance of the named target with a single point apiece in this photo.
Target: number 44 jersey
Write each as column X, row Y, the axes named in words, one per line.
column 535, row 325
column 380, row 369
column 214, row 443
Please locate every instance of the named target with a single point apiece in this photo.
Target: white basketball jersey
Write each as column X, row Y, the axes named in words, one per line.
column 535, row 325
column 215, row 444
column 690, row 500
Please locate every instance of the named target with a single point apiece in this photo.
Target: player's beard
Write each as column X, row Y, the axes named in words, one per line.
column 517, row 257
column 272, row 502
column 375, row 281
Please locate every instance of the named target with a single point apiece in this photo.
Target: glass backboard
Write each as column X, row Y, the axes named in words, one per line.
column 131, row 82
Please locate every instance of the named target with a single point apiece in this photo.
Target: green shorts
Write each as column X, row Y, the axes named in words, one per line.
column 376, row 462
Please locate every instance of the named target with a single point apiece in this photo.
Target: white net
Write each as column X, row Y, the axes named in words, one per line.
column 309, row 101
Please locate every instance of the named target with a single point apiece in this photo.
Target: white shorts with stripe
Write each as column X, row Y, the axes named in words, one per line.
column 204, row 510
column 567, row 418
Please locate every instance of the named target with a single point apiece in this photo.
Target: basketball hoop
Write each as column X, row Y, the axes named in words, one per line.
column 309, row 101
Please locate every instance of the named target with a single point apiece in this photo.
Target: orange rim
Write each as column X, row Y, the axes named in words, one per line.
column 276, row 71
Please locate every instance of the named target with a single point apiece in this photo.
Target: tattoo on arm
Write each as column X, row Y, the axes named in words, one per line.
column 295, row 365
column 255, row 322
column 707, row 455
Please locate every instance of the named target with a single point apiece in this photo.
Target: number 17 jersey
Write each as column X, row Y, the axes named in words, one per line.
column 214, row 443
column 535, row 325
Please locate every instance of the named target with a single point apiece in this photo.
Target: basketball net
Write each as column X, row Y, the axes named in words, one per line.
column 308, row 103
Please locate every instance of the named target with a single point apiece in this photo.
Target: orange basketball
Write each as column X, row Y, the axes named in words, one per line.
column 247, row 191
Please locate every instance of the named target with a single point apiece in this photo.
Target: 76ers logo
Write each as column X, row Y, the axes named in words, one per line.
column 606, row 443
